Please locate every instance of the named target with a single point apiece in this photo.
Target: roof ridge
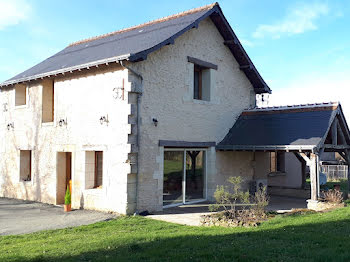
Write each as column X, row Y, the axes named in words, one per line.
column 286, row 107
column 163, row 19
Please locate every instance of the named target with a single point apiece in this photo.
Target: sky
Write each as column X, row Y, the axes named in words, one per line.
column 301, row 48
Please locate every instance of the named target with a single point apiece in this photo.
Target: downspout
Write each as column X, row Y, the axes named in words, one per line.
column 139, row 94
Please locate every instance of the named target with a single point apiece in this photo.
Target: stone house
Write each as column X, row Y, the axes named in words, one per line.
column 141, row 119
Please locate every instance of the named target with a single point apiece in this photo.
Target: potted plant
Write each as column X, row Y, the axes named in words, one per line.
column 67, row 201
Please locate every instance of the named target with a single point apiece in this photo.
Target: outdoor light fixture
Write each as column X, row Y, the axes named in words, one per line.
column 10, row 126
column 104, row 119
column 62, row 122
column 155, row 121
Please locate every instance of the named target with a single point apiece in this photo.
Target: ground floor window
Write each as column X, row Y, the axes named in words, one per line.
column 25, row 165
column 93, row 169
column 184, row 176
column 98, row 168
column 277, row 161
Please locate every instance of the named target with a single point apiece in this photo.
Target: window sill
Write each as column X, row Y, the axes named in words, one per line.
column 93, row 191
column 21, row 106
column 278, row 173
column 26, row 181
column 47, row 123
column 201, row 102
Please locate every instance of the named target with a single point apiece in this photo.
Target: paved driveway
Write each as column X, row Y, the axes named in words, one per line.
column 21, row 217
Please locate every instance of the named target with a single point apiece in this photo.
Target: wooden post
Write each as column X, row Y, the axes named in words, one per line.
column 334, row 132
column 318, row 171
column 347, row 158
column 303, row 168
column 313, row 176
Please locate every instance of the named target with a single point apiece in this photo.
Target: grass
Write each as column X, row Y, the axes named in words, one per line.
column 330, row 184
column 310, row 237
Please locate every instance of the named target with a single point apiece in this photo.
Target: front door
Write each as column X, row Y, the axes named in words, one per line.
column 184, row 176
column 64, row 175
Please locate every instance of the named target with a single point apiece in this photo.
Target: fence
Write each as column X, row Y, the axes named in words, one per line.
column 335, row 172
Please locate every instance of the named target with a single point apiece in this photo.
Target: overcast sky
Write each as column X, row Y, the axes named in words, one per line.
column 301, row 48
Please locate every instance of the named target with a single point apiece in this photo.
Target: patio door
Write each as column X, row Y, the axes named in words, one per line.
column 184, row 176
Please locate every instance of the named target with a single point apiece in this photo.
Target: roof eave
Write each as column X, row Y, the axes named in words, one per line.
column 266, row 147
column 260, row 87
column 65, row 70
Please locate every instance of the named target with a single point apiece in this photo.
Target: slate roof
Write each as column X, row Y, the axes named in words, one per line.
column 135, row 43
column 298, row 127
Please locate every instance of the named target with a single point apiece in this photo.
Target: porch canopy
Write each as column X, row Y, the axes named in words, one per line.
column 307, row 130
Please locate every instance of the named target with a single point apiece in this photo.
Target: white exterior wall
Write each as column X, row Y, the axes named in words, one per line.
column 168, row 97
column 291, row 178
column 80, row 99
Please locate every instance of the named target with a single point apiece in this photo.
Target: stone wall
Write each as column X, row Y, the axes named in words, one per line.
column 168, row 97
column 80, row 99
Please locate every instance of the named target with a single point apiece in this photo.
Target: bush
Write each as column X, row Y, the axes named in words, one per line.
column 261, row 200
column 67, row 197
column 333, row 196
column 227, row 197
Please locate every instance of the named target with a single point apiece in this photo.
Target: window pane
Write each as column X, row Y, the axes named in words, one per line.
column 281, row 161
column 273, row 162
column 196, row 84
column 173, row 176
column 194, row 175
column 26, row 165
column 98, row 170
column 20, row 95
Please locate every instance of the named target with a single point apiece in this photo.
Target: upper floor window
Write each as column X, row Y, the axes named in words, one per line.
column 203, row 80
column 48, row 101
column 20, row 95
column 277, row 162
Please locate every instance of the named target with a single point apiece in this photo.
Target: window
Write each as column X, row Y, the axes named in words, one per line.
column 277, row 161
column 20, row 95
column 93, row 169
column 203, row 78
column 201, row 83
column 98, row 168
column 25, row 165
column 48, row 101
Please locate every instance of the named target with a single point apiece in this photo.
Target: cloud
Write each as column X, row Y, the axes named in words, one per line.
column 298, row 20
column 13, row 12
column 315, row 88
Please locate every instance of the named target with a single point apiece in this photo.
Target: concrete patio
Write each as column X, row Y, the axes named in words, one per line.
column 190, row 214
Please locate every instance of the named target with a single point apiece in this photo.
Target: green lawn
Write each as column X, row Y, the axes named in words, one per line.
column 312, row 237
column 330, row 184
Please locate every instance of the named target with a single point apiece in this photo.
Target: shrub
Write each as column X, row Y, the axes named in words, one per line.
column 67, row 197
column 261, row 200
column 229, row 196
column 333, row 196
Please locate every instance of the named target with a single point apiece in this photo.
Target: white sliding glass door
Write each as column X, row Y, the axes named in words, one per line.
column 184, row 179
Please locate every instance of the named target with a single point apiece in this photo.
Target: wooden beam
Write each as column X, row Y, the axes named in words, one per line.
column 334, row 131
column 230, row 42
column 341, row 134
column 304, row 156
column 347, row 156
column 303, row 169
column 336, row 147
column 245, row 67
column 313, row 176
